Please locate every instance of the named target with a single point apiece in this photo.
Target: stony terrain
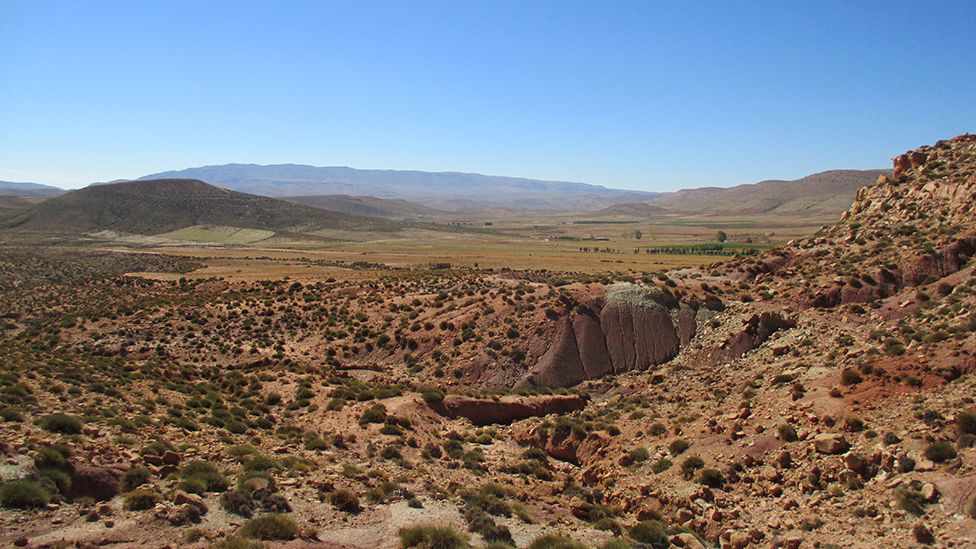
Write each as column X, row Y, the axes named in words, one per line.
column 816, row 395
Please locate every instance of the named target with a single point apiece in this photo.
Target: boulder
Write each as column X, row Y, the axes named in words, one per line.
column 183, row 498
column 958, row 494
column 831, row 443
column 901, row 164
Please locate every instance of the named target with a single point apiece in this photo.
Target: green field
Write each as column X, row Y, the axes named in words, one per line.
column 218, row 234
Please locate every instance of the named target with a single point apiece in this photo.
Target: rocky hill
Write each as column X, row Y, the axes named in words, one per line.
column 159, row 206
column 822, row 194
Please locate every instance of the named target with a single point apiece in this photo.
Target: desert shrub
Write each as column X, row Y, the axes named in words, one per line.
column 854, row 423
column 651, row 532
column 272, row 526
column 238, row 503
column 678, row 446
column 52, row 457
column 911, row 501
column 966, row 423
column 199, row 476
column 390, row 452
column 552, row 541
column 661, row 465
column 850, row 377
column 261, row 462
column 345, row 500
column 712, row 478
column 940, row 451
column 432, row 537
column 638, row 455
column 432, row 395
column 61, row 423
column 966, row 441
column 787, row 433
column 374, row 414
column 140, row 500
column 609, row 525
column 313, row 441
column 11, row 414
column 157, row 448
column 617, row 543
column 134, row 478
column 59, row 478
column 690, row 465
column 657, row 429
column 23, row 494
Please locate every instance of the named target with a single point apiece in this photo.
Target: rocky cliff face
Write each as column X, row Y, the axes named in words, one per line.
column 626, row 327
column 917, row 226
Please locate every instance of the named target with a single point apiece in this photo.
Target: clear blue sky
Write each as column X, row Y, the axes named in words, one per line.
column 643, row 95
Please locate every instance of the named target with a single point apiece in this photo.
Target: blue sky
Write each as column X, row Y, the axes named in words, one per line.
column 641, row 95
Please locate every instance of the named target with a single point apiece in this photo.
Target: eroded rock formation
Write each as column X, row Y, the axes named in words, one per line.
column 637, row 327
column 483, row 411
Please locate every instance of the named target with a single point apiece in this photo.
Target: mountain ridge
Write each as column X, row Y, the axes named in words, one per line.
column 828, row 192
column 457, row 191
column 159, row 206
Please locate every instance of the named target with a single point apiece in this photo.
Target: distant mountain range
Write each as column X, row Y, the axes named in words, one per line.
column 826, row 193
column 452, row 191
column 161, row 206
column 11, row 188
column 412, row 195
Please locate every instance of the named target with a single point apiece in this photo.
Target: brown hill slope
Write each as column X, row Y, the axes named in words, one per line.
column 825, row 193
column 388, row 208
column 159, row 206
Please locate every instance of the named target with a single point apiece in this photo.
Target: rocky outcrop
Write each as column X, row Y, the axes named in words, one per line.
column 639, row 330
column 482, row 411
column 952, row 258
column 561, row 365
column 756, row 331
column 635, row 328
column 912, row 271
column 573, row 447
column 687, row 323
column 592, row 345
